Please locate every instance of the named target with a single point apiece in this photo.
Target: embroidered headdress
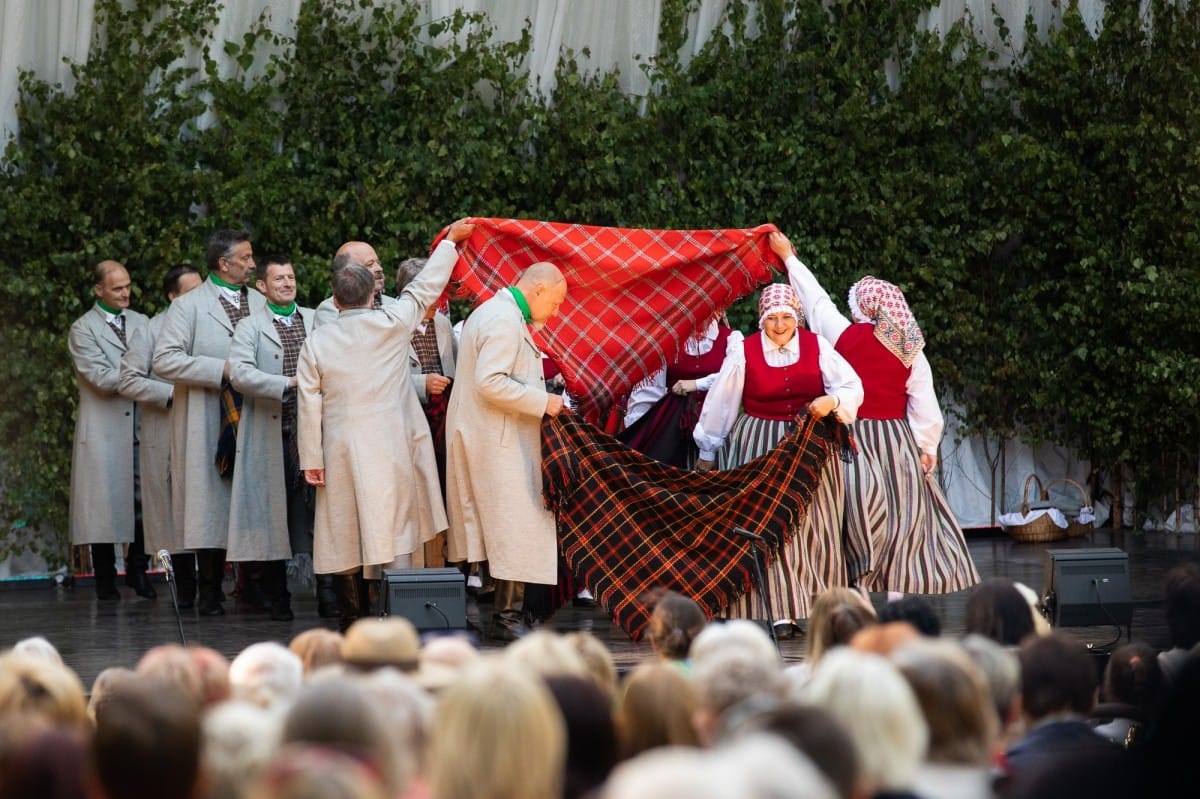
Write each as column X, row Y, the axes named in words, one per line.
column 779, row 298
column 883, row 304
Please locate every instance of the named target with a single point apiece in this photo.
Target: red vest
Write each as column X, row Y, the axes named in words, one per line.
column 691, row 367
column 779, row 393
column 884, row 377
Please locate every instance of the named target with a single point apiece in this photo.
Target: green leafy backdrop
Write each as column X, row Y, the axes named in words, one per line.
column 1041, row 218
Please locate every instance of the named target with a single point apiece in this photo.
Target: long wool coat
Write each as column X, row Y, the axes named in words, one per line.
column 191, row 351
column 258, row 523
column 102, row 502
column 153, row 398
column 447, row 348
column 360, row 421
column 494, row 449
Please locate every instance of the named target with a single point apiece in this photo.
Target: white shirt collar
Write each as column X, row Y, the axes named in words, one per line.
column 793, row 346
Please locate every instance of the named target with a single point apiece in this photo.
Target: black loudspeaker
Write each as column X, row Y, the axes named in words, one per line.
column 1088, row 587
column 432, row 599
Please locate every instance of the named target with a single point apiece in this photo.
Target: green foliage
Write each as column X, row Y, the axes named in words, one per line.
column 1042, row 218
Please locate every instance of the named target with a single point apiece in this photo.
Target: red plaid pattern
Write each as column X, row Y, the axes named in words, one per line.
column 633, row 296
column 628, row 524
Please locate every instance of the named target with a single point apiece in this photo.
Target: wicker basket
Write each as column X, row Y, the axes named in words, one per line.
column 1041, row 530
column 1074, row 527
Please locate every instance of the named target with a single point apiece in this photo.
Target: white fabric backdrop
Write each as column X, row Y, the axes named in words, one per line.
column 37, row 35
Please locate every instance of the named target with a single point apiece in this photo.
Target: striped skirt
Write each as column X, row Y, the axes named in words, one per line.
column 813, row 559
column 922, row 549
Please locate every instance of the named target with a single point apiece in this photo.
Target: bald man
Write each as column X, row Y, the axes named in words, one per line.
column 363, row 254
column 103, row 504
column 494, row 444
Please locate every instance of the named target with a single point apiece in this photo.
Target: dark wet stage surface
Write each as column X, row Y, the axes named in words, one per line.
column 92, row 635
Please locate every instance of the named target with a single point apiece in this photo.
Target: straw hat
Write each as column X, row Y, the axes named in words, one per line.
column 372, row 643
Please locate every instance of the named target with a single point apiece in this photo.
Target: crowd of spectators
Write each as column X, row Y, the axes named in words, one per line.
column 884, row 705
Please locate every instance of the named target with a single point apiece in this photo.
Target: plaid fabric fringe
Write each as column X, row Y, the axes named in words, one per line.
column 231, row 412
column 628, row 524
column 633, row 296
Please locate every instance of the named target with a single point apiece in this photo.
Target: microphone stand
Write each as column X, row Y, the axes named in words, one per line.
column 757, row 542
column 164, row 557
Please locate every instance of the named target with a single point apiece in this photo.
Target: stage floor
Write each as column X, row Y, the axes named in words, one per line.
column 93, row 635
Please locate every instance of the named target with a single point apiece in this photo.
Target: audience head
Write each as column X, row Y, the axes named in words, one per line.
column 998, row 610
column 382, row 642
column 35, row 686
column 954, row 698
column 317, row 647
column 599, row 661
column 546, row 654
column 147, row 741
column 740, row 634
column 1002, row 670
column 174, row 663
column 657, row 706
column 46, row 761
column 214, row 674
column 724, row 680
column 498, row 702
column 1057, row 676
column 674, row 773
column 443, row 658
column 104, row 683
column 837, row 615
column 301, row 771
column 816, row 733
column 878, row 708
column 1133, row 677
column 882, row 639
column 267, row 674
column 587, row 711
column 674, row 623
column 240, row 738
column 1181, row 593
column 337, row 712
column 408, row 711
column 38, row 647
column 916, row 610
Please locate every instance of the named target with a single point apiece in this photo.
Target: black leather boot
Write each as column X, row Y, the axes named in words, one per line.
column 104, row 567
column 136, row 564
column 345, row 587
column 210, row 564
column 327, row 603
column 185, row 579
column 274, row 584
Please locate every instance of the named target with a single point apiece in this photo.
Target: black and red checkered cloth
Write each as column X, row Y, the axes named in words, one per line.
column 633, row 296
column 628, row 524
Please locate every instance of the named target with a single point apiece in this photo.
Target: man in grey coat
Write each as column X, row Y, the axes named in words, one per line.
column 154, row 400
column 271, row 515
column 494, row 445
column 364, row 442
column 103, row 505
column 192, row 352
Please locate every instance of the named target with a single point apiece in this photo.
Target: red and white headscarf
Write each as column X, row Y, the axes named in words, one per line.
column 779, row 298
column 883, row 304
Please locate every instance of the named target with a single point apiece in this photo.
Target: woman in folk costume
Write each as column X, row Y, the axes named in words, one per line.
column 767, row 379
column 899, row 427
column 663, row 408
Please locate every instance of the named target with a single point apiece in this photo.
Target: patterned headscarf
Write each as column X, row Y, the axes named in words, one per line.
column 779, row 298
column 882, row 304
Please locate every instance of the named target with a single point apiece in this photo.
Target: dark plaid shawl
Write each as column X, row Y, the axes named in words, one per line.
column 628, row 524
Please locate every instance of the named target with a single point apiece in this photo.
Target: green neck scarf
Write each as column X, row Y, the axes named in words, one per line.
column 522, row 303
column 106, row 309
column 282, row 310
column 213, row 277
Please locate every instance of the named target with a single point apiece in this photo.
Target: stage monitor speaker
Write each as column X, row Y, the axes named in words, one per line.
column 1088, row 587
column 432, row 599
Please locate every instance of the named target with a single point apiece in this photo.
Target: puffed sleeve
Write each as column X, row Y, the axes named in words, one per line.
column 724, row 400
column 643, row 396
column 824, row 319
column 924, row 412
column 840, row 381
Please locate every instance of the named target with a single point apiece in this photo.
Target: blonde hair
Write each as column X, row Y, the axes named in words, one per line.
column 37, row 686
column 655, row 709
column 599, row 661
column 837, row 614
column 317, row 647
column 498, row 735
column 546, row 654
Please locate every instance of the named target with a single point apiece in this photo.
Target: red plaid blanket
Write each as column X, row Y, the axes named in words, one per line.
column 633, row 295
column 628, row 524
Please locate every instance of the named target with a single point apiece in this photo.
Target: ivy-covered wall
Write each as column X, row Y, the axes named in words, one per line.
column 1042, row 218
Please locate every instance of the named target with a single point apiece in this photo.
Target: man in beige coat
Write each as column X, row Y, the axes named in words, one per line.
column 154, row 398
column 270, row 515
column 363, row 254
column 103, row 509
column 363, row 439
column 494, row 444
column 192, row 352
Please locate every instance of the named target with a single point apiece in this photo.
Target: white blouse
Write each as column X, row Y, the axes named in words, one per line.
column 924, row 413
column 653, row 388
column 724, row 401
